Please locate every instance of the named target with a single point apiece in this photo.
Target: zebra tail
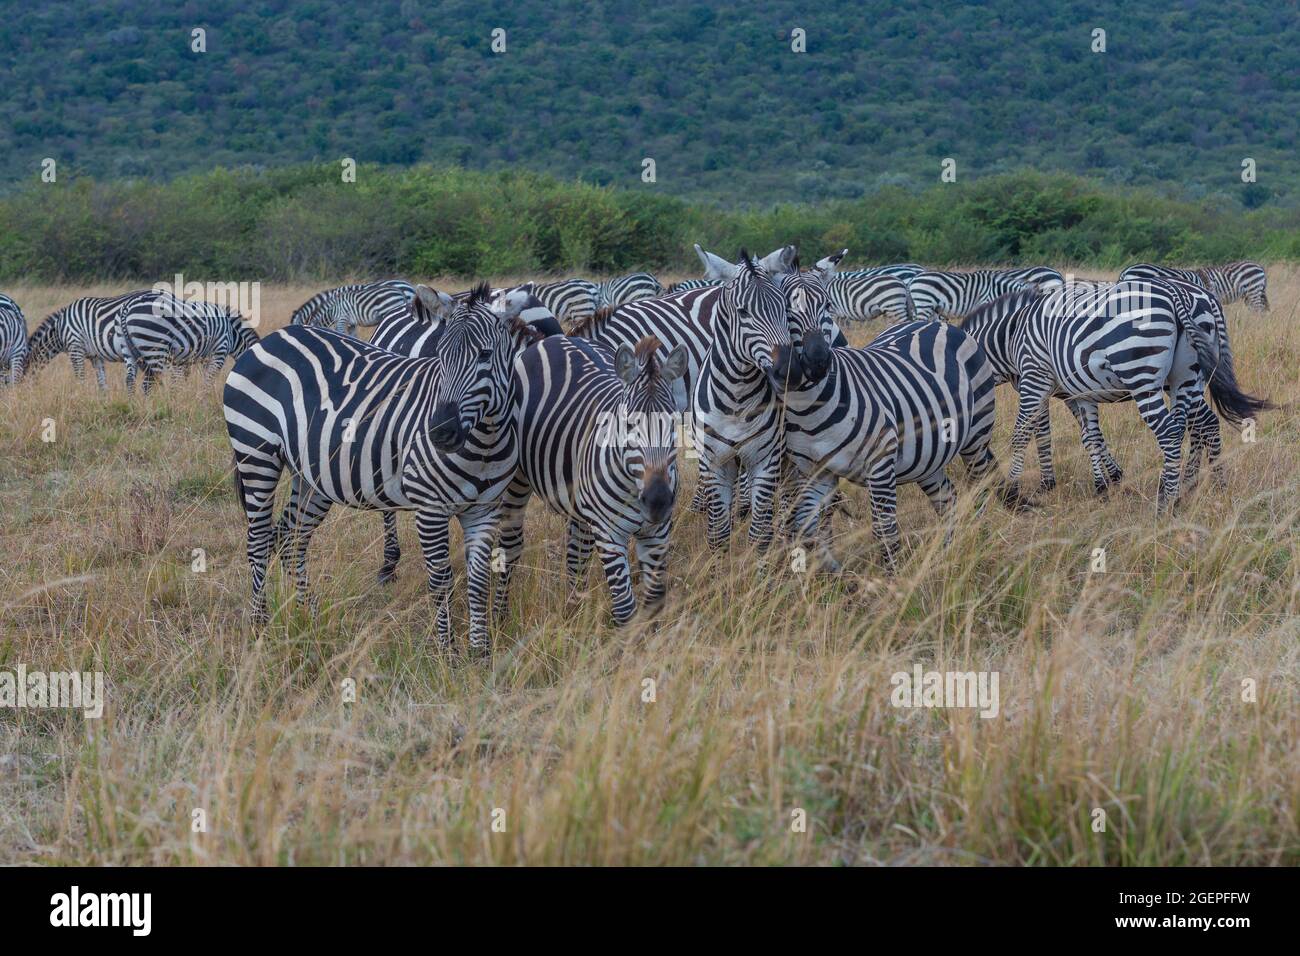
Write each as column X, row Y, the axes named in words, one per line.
column 1233, row 404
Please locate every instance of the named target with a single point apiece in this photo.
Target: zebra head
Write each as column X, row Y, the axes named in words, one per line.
column 650, row 457
column 753, row 323
column 242, row 335
column 475, row 356
column 343, row 312
column 1249, row 282
column 47, row 340
column 812, row 328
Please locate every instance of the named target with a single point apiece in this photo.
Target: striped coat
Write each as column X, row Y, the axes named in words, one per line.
column 13, row 341
column 953, row 294
column 597, row 442
column 1234, row 282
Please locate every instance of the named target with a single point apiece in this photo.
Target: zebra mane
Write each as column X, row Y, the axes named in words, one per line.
column 748, row 262
column 524, row 331
column 995, row 306
column 481, row 294
column 585, row 326
column 645, row 351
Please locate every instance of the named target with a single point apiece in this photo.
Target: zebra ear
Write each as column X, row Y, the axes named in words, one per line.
column 674, row 366
column 827, row 266
column 511, row 303
column 626, row 367
column 716, row 267
column 778, row 260
column 436, row 304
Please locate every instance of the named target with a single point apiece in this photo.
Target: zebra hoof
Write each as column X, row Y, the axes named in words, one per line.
column 1046, row 485
column 387, row 575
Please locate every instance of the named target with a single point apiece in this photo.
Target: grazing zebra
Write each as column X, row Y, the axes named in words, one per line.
column 85, row 329
column 1231, row 283
column 160, row 332
column 899, row 270
column 415, row 334
column 865, row 294
column 356, row 425
column 348, row 306
column 13, row 340
column 620, row 290
column 736, row 407
column 1127, row 341
column 597, row 442
column 894, row 412
column 953, row 294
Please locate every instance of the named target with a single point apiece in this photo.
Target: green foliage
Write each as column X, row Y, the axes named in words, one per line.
column 1181, row 96
column 304, row 222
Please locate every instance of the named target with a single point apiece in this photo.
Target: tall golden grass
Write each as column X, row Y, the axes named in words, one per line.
column 1121, row 691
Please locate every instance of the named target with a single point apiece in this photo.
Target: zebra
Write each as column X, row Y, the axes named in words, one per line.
column 357, row 425
column 994, row 325
column 953, row 294
column 13, row 340
column 571, row 300
column 348, row 306
column 86, row 329
column 1131, row 340
column 735, row 399
column 161, row 331
column 899, row 270
column 597, row 442
column 896, row 411
column 865, row 294
column 1231, row 283
column 686, row 285
column 415, row 334
column 620, row 290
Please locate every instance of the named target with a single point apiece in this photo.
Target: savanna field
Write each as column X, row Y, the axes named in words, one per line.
column 1162, row 690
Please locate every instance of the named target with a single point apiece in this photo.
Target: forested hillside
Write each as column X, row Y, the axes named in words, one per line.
column 715, row 95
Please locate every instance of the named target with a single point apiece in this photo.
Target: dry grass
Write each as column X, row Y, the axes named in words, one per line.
column 1120, row 690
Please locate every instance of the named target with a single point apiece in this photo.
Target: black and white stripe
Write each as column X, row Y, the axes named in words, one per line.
column 953, row 294
column 85, row 329
column 570, row 300
column 736, row 407
column 620, row 290
column 357, row 425
column 1132, row 340
column 415, row 334
column 1234, row 282
column 159, row 331
column 862, row 295
column 346, row 307
column 597, row 442
column 13, row 341
column 894, row 412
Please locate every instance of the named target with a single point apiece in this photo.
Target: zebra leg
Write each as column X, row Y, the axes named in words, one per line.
column 1105, row 470
column 883, row 487
column 432, row 527
column 256, row 476
column 1034, row 389
column 1046, row 468
column 130, row 375
column 309, row 509
column 942, row 497
column 392, row 549
column 806, row 525
column 764, row 479
column 744, row 493
column 78, row 360
column 1168, row 428
column 578, row 542
column 651, row 558
column 511, row 539
column 1205, row 434
column 213, row 367
column 101, row 379
column 721, row 481
column 613, row 558
column 700, row 500
column 479, row 524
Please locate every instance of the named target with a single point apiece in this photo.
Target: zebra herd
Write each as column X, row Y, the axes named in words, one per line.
column 466, row 406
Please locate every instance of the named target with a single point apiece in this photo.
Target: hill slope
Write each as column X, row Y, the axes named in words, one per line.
column 719, row 100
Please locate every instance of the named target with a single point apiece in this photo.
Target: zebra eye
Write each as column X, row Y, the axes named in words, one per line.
column 484, row 354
